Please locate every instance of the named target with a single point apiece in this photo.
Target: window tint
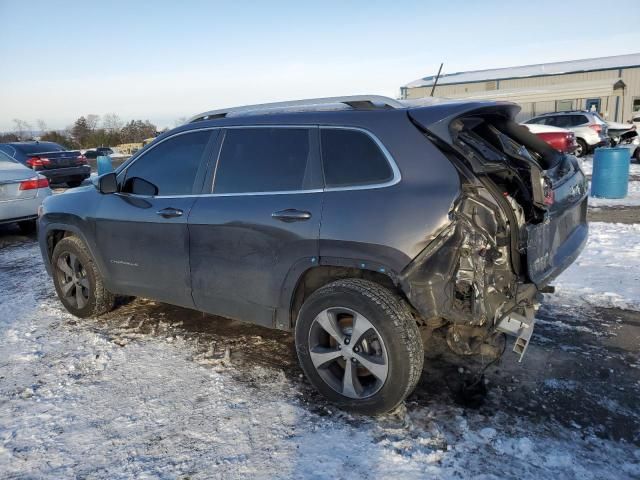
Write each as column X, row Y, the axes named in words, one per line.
column 171, row 166
column 267, row 160
column 579, row 120
column 350, row 157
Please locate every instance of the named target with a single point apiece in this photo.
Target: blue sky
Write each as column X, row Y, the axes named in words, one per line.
column 163, row 60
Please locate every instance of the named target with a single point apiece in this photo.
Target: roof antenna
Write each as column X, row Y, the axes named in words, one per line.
column 433, row 89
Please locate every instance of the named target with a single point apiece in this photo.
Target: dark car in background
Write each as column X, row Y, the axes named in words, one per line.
column 51, row 160
column 97, row 152
column 355, row 222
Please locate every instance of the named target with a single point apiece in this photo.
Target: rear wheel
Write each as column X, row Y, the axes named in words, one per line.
column 27, row 227
column 77, row 280
column 582, row 149
column 359, row 345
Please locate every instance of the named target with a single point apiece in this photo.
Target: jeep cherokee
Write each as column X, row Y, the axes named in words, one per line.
column 353, row 222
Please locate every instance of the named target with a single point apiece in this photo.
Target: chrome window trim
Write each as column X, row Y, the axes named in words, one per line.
column 397, row 176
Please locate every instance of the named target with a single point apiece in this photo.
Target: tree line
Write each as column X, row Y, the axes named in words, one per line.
column 87, row 131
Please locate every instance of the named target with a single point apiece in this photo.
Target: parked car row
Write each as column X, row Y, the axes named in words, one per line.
column 589, row 129
column 51, row 160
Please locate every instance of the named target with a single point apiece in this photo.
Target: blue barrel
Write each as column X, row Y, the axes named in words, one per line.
column 104, row 164
column 610, row 178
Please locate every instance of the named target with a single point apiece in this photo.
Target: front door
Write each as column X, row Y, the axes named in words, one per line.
column 142, row 230
column 262, row 220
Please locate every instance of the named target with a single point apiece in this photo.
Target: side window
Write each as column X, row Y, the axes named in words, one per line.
column 562, row 121
column 170, row 167
column 578, row 120
column 352, row 158
column 268, row 160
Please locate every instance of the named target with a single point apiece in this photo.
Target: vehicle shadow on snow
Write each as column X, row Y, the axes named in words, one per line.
column 577, row 376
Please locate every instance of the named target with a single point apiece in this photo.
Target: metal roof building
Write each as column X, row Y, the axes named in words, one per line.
column 610, row 85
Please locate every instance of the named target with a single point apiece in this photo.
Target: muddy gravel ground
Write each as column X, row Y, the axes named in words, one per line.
column 614, row 214
column 123, row 395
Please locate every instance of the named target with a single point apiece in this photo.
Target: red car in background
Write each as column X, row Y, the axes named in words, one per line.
column 562, row 140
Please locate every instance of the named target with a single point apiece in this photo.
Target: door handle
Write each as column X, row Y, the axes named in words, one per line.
column 291, row 215
column 170, row 212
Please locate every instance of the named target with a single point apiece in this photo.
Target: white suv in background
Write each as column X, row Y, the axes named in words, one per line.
column 591, row 131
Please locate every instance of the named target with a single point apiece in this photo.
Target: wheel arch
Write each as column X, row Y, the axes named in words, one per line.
column 54, row 232
column 304, row 279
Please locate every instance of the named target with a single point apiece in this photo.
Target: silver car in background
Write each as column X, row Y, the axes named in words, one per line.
column 21, row 192
column 590, row 130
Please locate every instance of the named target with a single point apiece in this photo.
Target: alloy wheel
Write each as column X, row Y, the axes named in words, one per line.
column 348, row 352
column 73, row 281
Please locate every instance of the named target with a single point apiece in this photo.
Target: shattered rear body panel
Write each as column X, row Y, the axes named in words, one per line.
column 519, row 222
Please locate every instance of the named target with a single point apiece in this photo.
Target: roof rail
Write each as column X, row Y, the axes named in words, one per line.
column 357, row 102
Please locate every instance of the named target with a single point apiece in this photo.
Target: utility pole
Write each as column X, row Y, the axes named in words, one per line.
column 433, row 89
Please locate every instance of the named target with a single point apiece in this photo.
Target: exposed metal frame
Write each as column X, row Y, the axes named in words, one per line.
column 357, row 102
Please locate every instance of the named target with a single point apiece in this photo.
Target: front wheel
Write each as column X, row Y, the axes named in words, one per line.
column 359, row 345
column 74, row 183
column 78, row 282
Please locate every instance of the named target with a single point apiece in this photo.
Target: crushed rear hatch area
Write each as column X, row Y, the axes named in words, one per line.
column 520, row 222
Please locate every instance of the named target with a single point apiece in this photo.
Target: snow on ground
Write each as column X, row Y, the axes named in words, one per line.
column 607, row 273
column 79, row 401
column 632, row 199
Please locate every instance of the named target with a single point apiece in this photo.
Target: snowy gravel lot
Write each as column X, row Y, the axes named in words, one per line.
column 154, row 391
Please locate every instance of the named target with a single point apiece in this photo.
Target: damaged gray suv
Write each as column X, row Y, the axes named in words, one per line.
column 354, row 222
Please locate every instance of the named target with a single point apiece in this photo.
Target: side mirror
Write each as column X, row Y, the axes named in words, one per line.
column 107, row 183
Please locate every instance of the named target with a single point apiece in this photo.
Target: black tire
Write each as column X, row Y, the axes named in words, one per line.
column 636, row 155
column 27, row 227
column 583, row 148
column 96, row 298
column 74, row 183
column 392, row 322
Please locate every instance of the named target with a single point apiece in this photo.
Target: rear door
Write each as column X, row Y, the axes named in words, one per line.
column 142, row 230
column 261, row 219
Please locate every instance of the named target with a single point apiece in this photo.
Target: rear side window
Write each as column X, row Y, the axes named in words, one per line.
column 352, row 158
column 578, row 120
column 267, row 160
column 171, row 166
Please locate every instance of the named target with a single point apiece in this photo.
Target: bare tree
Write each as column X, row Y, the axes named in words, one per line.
column 111, row 122
column 180, row 121
column 92, row 121
column 42, row 125
column 23, row 129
